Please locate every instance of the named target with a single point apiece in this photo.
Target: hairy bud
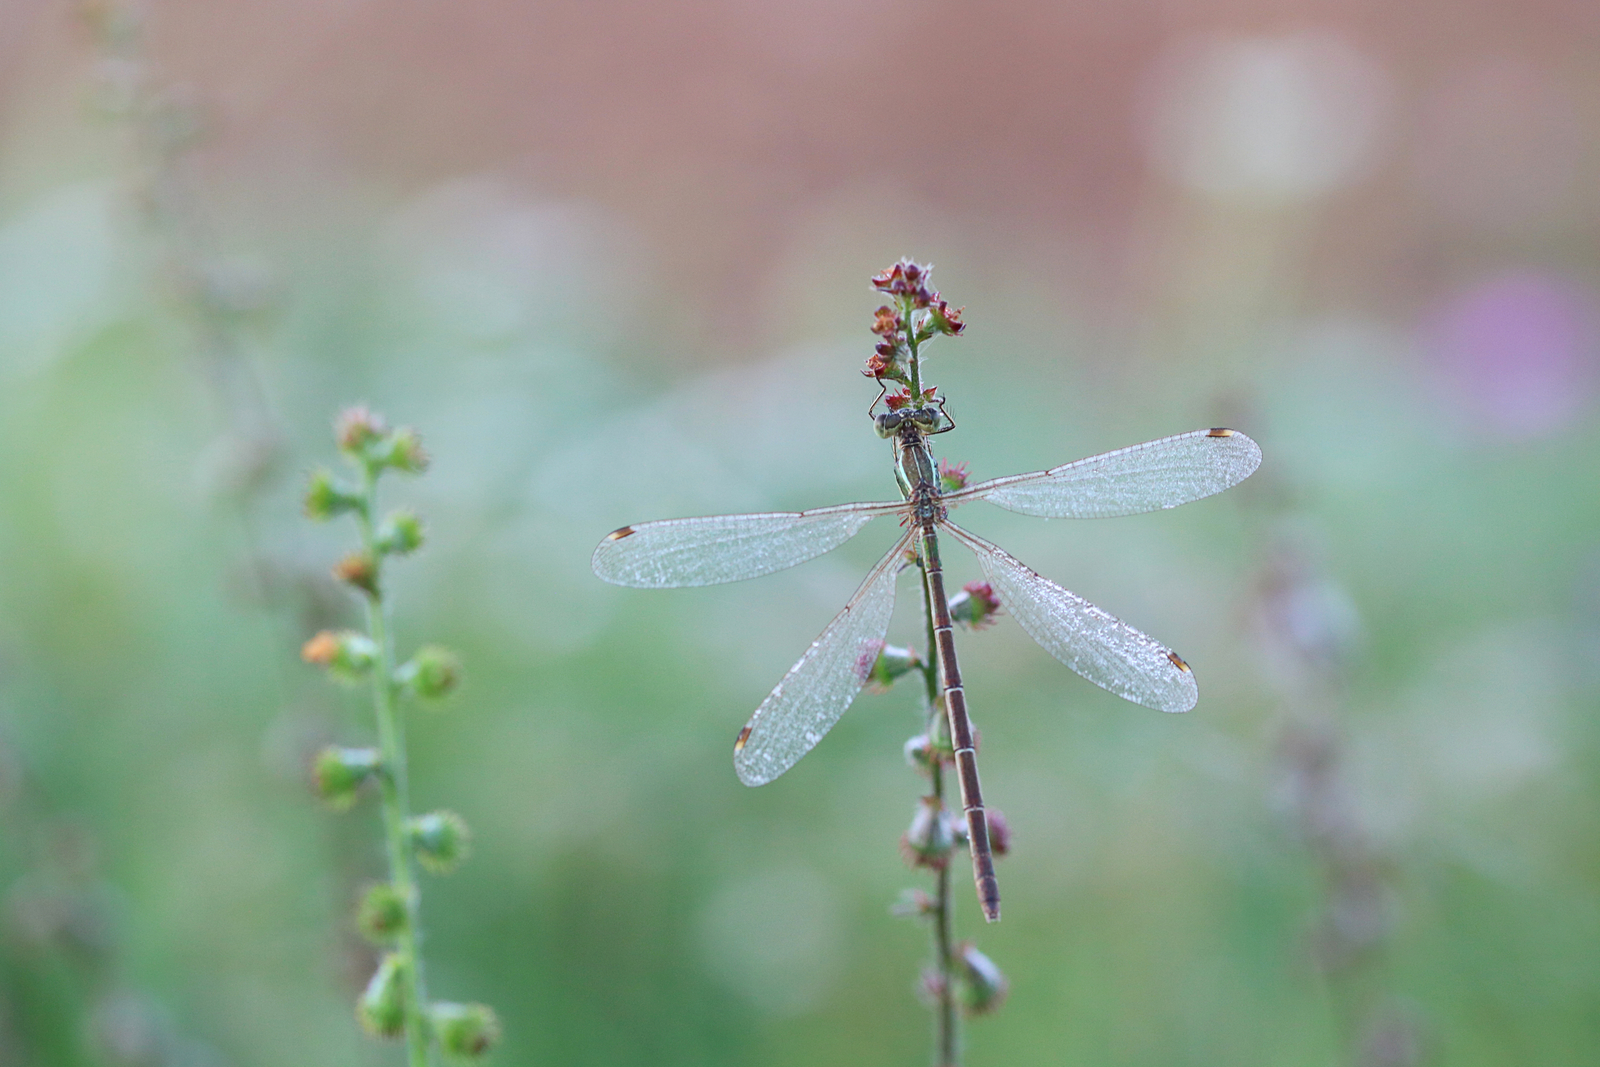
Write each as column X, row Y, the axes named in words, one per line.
column 356, row 429
column 400, row 534
column 975, row 606
column 891, row 663
column 441, row 839
column 326, row 496
column 382, row 913
column 347, row 655
column 464, row 1031
column 382, row 1004
column 358, row 569
column 338, row 774
column 930, row 837
column 431, row 673
column 980, row 986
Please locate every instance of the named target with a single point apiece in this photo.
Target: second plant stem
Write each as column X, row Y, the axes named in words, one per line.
column 396, row 804
column 947, row 1035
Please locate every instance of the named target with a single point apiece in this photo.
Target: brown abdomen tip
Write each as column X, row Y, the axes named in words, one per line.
column 1177, row 661
column 744, row 735
column 1220, row 431
column 617, row 535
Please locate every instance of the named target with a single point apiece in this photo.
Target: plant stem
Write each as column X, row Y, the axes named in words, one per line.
column 396, row 805
column 946, row 1027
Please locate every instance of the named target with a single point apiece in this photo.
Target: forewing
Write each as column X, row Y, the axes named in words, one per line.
column 1090, row 640
column 817, row 690
column 726, row 548
column 1148, row 477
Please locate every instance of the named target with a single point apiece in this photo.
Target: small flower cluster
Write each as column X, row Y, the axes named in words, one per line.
column 917, row 315
column 394, row 1002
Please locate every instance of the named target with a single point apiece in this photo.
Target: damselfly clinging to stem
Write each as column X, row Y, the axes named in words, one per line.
column 810, row 698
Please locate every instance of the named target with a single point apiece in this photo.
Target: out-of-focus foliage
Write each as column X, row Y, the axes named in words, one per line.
column 614, row 262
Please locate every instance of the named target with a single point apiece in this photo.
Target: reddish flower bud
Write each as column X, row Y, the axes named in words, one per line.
column 999, row 832
column 913, row 904
column 347, row 655
column 360, row 570
column 980, row 986
column 886, row 321
column 975, row 606
column 356, row 428
column 945, row 319
column 930, row 837
column 952, row 478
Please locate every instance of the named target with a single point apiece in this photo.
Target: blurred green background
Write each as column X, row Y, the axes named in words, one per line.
column 611, row 260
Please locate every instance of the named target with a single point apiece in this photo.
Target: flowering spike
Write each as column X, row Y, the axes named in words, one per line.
column 441, row 839
column 975, row 606
column 382, row 1005
column 338, row 774
column 464, row 1031
column 382, row 913
column 431, row 673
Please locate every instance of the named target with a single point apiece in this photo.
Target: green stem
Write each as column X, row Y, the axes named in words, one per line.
column 946, row 1024
column 396, row 806
column 908, row 313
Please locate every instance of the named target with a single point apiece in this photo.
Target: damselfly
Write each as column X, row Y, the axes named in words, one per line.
column 817, row 690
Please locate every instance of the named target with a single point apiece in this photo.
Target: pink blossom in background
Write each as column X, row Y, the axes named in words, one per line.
column 1517, row 351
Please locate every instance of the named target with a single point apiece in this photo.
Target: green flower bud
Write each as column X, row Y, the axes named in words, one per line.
column 930, row 837
column 382, row 913
column 980, row 987
column 464, row 1031
column 349, row 656
column 431, row 673
column 382, row 1005
column 891, row 663
column 327, row 497
column 401, row 533
column 441, row 839
column 403, row 451
column 339, row 773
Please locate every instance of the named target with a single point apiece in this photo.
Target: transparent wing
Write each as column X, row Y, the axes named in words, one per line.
column 1148, row 477
column 726, row 548
column 816, row 691
column 1093, row 642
